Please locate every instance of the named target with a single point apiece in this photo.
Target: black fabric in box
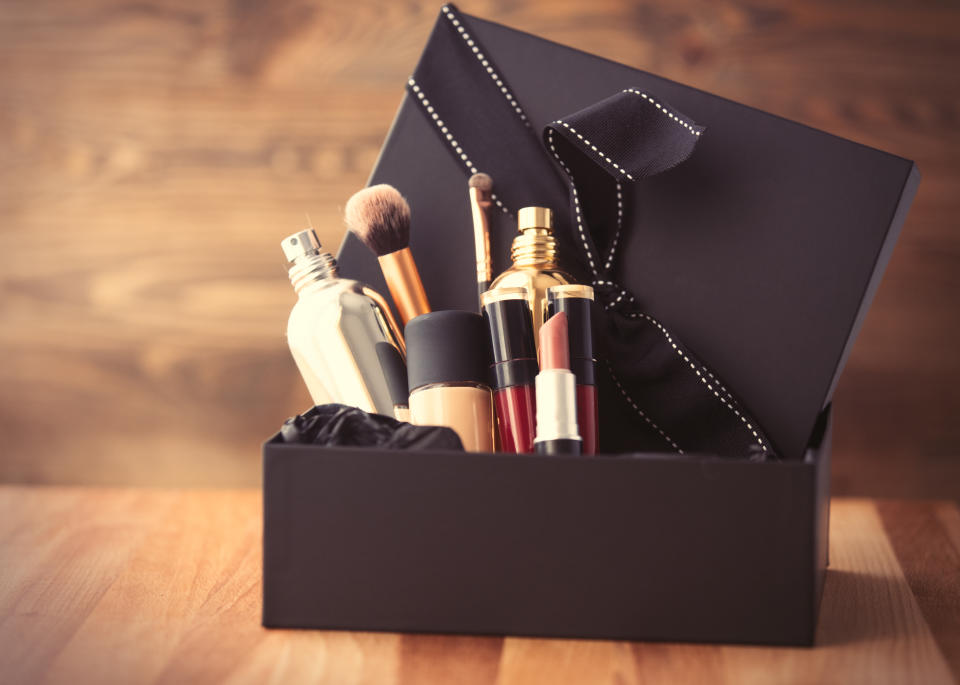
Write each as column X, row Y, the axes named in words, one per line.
column 762, row 252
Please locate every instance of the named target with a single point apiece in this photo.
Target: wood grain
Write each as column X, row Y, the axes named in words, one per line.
column 155, row 152
column 926, row 540
column 163, row 586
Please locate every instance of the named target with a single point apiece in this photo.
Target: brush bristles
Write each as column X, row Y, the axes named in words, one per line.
column 380, row 217
column 481, row 181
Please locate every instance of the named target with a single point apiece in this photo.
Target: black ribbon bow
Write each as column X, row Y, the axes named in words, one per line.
column 655, row 394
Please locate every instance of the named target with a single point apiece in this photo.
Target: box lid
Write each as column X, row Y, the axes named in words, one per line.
column 762, row 252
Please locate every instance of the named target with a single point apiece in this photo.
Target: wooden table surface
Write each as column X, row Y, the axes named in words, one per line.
column 144, row 585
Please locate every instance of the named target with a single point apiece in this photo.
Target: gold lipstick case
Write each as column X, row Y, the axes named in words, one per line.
column 534, row 254
column 334, row 328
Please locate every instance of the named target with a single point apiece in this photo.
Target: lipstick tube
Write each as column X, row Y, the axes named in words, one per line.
column 557, row 431
column 514, row 366
column 447, row 366
column 576, row 301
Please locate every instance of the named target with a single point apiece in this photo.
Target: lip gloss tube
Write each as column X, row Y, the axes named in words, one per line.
column 447, row 366
column 510, row 324
column 576, row 301
column 557, row 431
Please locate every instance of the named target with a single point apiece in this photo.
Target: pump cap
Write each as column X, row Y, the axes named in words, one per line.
column 300, row 244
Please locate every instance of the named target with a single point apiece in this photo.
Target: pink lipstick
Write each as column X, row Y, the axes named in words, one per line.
column 576, row 301
column 556, row 390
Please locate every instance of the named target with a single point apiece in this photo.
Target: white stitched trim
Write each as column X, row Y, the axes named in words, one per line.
column 701, row 372
column 616, row 236
column 448, row 13
column 637, row 409
column 578, row 214
column 576, row 204
column 449, row 136
column 663, row 109
column 716, row 381
column 593, row 147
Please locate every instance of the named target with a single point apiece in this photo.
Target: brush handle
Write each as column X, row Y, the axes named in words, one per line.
column 482, row 287
column 403, row 281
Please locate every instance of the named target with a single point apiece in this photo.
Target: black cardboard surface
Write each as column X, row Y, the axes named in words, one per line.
column 762, row 252
column 649, row 547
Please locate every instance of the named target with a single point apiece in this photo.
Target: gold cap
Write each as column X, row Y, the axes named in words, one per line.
column 534, row 217
column 557, row 292
column 498, row 294
column 535, row 245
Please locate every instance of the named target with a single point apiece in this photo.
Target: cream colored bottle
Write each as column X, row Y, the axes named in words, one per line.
column 334, row 329
column 534, row 254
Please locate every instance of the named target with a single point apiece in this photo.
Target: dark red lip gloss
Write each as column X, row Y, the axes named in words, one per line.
column 514, row 366
column 576, row 301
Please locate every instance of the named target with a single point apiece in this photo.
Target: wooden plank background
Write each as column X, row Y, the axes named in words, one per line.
column 152, row 155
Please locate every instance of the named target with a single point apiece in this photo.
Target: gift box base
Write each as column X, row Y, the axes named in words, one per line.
column 639, row 547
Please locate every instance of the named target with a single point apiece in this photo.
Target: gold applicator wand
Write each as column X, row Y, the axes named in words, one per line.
column 481, row 187
column 380, row 218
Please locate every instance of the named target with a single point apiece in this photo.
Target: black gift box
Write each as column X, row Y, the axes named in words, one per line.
column 762, row 252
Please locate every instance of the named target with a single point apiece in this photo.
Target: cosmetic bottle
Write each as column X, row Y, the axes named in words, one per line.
column 535, row 267
column 576, row 301
column 447, row 367
column 510, row 327
column 334, row 329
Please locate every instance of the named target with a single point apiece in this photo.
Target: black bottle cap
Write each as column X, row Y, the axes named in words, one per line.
column 446, row 347
column 395, row 373
column 510, row 326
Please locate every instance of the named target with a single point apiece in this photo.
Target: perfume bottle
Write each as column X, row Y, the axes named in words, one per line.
column 334, row 329
column 534, row 254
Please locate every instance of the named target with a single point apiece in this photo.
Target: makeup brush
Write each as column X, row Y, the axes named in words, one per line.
column 380, row 218
column 481, row 187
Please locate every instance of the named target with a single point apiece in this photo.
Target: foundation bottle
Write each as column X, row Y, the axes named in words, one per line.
column 447, row 367
column 535, row 267
column 334, row 330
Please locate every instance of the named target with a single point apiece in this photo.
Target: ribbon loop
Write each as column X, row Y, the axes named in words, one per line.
column 630, row 135
column 620, row 139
